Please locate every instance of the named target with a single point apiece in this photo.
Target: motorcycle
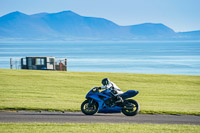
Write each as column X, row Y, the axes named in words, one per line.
column 105, row 102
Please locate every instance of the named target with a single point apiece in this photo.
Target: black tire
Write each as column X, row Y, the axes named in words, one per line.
column 89, row 110
column 133, row 111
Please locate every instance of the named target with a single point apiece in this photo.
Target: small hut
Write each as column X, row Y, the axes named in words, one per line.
column 44, row 63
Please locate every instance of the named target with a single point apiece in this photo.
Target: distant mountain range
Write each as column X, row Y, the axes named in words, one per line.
column 68, row 25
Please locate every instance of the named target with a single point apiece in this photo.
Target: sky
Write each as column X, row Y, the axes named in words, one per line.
column 180, row 15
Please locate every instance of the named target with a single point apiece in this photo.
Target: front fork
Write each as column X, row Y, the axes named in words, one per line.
column 91, row 102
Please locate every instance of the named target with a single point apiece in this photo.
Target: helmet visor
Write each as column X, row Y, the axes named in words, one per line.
column 105, row 81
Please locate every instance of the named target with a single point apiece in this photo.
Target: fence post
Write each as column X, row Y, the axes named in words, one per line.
column 11, row 63
column 66, row 64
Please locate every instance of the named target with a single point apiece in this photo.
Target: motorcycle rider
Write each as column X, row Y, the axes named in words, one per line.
column 115, row 90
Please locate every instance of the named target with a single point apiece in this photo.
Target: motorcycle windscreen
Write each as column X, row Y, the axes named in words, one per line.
column 129, row 94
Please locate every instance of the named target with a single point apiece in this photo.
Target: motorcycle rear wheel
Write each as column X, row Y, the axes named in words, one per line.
column 89, row 110
column 131, row 111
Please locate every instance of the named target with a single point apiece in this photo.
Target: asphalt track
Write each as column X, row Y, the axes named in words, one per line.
column 78, row 117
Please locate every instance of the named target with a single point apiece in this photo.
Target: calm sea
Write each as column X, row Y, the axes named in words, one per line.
column 182, row 58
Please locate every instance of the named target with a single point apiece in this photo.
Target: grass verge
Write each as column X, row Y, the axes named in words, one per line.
column 96, row 128
column 65, row 91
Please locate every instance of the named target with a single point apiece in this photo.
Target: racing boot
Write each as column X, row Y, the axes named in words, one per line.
column 119, row 99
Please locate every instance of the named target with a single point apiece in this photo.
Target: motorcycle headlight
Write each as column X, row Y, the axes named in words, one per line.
column 94, row 90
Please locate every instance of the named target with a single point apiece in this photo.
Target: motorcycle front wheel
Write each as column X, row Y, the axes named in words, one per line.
column 131, row 108
column 89, row 108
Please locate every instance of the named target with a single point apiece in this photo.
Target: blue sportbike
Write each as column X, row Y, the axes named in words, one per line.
column 105, row 102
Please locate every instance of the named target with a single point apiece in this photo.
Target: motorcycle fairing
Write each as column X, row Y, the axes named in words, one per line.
column 107, row 109
column 103, row 108
column 129, row 94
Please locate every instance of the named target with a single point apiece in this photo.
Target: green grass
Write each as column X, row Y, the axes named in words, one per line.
column 65, row 91
column 96, row 128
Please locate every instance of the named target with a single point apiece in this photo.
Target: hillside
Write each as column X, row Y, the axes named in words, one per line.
column 191, row 35
column 152, row 31
column 58, row 90
column 62, row 25
column 68, row 25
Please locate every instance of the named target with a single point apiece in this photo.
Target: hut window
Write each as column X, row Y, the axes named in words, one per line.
column 24, row 61
column 39, row 61
column 51, row 60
